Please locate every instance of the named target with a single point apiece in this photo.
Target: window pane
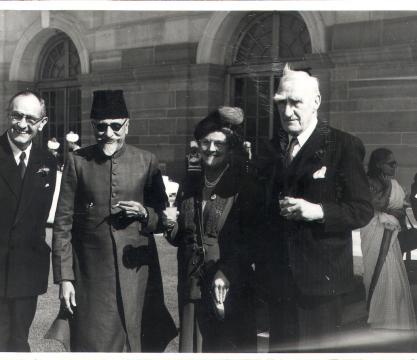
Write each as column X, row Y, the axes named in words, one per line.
column 74, row 110
column 253, row 90
column 59, row 69
column 256, row 42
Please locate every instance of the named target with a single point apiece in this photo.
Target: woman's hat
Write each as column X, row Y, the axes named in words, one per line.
column 225, row 119
column 108, row 104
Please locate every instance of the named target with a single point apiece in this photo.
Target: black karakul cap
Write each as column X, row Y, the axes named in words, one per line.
column 108, row 104
column 225, row 118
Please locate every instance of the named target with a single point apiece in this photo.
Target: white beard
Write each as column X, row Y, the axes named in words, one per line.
column 110, row 148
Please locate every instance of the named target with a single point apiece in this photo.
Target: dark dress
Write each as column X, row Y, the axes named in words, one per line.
column 229, row 248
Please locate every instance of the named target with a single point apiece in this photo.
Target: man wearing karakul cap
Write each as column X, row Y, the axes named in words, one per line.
column 104, row 255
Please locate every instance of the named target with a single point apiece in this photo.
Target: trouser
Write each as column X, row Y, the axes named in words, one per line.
column 16, row 316
column 305, row 323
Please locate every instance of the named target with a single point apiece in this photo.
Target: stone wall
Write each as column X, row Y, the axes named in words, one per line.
column 367, row 72
column 374, row 86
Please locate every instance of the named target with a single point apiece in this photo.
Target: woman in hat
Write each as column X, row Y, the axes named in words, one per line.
column 215, row 235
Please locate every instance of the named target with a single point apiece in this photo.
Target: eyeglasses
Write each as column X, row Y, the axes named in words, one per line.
column 219, row 145
column 102, row 127
column 18, row 116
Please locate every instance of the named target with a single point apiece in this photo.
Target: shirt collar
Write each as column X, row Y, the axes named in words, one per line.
column 305, row 135
column 16, row 151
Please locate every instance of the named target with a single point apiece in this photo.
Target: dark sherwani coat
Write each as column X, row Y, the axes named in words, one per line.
column 109, row 259
column 327, row 170
column 231, row 250
column 24, row 254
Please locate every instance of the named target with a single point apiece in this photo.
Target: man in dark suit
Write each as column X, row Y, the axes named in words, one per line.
column 104, row 254
column 27, row 182
column 319, row 194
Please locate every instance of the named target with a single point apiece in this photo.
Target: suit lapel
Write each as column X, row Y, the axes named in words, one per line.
column 307, row 156
column 8, row 168
column 29, row 182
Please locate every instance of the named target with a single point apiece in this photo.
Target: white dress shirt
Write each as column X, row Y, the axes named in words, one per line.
column 303, row 137
column 17, row 151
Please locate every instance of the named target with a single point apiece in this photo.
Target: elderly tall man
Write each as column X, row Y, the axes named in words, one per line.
column 320, row 194
column 104, row 255
column 27, row 182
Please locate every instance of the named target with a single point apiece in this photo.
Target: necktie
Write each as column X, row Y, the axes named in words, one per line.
column 22, row 165
column 289, row 155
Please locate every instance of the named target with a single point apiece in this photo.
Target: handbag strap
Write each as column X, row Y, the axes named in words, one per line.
column 199, row 251
column 199, row 222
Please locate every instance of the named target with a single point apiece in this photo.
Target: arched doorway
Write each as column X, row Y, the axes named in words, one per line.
column 57, row 81
column 261, row 45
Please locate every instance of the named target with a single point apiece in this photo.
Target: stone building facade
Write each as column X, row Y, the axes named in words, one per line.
column 176, row 66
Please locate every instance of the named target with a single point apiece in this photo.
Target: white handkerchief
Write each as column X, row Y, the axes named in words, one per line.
column 47, row 185
column 320, row 173
column 415, row 195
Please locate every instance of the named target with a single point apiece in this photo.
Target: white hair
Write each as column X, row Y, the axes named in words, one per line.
column 290, row 75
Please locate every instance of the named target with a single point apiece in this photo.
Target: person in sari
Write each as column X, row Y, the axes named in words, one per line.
column 389, row 300
column 214, row 235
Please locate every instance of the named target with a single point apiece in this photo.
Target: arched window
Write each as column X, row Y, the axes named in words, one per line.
column 262, row 44
column 58, row 71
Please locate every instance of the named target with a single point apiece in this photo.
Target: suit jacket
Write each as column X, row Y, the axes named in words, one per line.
column 24, row 254
column 317, row 256
column 99, row 249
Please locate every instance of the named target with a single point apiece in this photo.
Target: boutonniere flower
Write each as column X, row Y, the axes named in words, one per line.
column 43, row 171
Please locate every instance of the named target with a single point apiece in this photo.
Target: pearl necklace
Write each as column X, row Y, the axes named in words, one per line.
column 210, row 184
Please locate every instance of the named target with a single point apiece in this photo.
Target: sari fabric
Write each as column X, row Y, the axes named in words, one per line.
column 391, row 304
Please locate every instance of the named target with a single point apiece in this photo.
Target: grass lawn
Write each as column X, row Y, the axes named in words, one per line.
column 48, row 304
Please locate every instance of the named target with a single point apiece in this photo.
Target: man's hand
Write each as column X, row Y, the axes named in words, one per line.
column 67, row 292
column 300, row 209
column 170, row 216
column 220, row 286
column 132, row 209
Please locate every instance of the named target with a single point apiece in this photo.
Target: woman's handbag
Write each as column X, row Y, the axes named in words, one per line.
column 408, row 237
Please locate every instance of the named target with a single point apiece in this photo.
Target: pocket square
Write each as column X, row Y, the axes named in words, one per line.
column 320, row 173
column 46, row 185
